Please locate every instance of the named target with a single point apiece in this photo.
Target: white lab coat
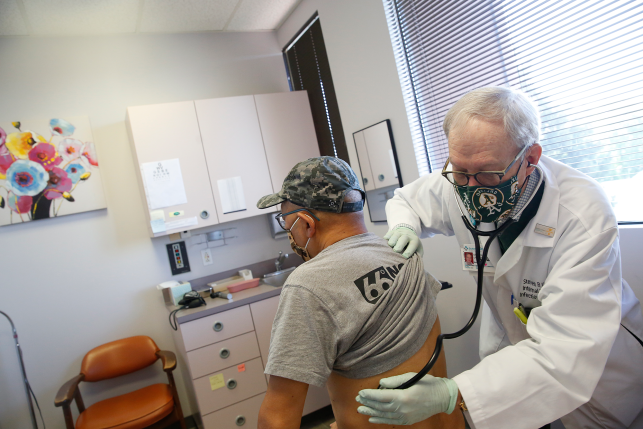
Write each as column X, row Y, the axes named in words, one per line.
column 573, row 358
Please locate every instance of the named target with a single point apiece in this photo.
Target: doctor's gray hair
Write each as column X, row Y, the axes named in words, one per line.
column 514, row 108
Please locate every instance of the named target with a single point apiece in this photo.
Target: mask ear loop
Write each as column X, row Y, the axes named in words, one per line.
column 306, row 246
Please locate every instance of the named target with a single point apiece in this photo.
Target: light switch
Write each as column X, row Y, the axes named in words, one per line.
column 206, row 255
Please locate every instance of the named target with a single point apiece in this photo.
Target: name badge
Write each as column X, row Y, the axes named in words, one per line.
column 469, row 261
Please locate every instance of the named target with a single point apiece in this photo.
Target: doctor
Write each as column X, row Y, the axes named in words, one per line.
column 578, row 355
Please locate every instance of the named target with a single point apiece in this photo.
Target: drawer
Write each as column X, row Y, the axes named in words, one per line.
column 246, row 413
column 223, row 354
column 217, row 327
column 249, row 383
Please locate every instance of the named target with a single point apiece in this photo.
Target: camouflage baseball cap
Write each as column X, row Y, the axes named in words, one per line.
column 319, row 184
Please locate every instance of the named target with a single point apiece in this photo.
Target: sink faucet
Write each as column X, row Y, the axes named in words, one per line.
column 280, row 260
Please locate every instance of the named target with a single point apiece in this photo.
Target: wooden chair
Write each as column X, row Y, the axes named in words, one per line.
column 155, row 406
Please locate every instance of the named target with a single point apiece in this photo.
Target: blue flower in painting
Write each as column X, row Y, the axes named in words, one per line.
column 26, row 178
column 74, row 171
column 60, row 127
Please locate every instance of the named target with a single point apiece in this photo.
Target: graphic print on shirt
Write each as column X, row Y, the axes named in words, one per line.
column 373, row 284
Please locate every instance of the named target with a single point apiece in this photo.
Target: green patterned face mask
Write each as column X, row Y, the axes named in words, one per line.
column 490, row 203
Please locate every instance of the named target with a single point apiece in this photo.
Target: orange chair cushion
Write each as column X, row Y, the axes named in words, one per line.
column 119, row 358
column 134, row 410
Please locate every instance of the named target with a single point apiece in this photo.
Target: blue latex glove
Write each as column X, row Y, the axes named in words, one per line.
column 404, row 239
column 429, row 396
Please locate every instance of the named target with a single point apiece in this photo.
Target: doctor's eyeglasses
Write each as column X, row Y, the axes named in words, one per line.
column 485, row 178
column 282, row 221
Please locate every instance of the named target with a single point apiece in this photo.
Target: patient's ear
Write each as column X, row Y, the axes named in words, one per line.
column 309, row 223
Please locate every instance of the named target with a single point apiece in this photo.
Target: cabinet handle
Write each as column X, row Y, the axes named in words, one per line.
column 218, row 326
column 381, row 177
column 231, row 384
column 240, row 420
column 205, row 214
column 224, row 353
column 365, row 180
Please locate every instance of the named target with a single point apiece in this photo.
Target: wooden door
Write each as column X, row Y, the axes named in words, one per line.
column 170, row 131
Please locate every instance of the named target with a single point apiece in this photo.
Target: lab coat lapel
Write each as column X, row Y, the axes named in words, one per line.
column 546, row 215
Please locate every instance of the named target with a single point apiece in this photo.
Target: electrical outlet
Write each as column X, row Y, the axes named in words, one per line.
column 206, row 255
column 186, row 234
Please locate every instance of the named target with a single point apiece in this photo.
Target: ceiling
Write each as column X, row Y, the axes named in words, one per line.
column 86, row 17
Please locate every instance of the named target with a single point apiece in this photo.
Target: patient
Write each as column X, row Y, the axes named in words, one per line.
column 353, row 313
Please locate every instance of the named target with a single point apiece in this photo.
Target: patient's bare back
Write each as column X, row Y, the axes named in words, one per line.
column 344, row 390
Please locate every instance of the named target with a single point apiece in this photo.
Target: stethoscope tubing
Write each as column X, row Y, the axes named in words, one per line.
column 475, row 233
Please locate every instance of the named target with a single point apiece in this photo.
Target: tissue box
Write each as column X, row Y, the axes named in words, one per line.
column 174, row 294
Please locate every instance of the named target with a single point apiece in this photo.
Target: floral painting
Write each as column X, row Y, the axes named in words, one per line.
column 48, row 168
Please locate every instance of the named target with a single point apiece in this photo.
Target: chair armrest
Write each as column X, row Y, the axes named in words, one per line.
column 66, row 393
column 168, row 358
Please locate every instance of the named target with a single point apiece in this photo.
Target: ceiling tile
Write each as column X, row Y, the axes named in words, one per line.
column 11, row 22
column 168, row 16
column 53, row 17
column 253, row 15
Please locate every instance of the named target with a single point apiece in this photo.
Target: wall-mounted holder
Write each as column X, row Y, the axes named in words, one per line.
column 218, row 235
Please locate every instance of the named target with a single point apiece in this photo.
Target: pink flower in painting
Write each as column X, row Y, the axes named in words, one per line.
column 70, row 148
column 45, row 154
column 90, row 153
column 6, row 159
column 58, row 183
column 3, row 137
column 20, row 204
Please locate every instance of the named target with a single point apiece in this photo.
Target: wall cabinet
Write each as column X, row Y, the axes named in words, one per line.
column 232, row 151
column 231, row 348
column 376, row 158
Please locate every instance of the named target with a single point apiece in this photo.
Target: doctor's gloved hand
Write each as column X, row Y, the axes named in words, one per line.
column 403, row 239
column 429, row 396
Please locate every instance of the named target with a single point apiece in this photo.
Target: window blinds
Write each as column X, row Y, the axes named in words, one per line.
column 308, row 69
column 579, row 60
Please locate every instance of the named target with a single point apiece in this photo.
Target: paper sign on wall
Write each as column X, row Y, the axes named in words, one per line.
column 232, row 196
column 163, row 184
column 216, row 381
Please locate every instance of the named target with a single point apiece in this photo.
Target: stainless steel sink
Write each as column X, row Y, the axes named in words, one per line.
column 278, row 278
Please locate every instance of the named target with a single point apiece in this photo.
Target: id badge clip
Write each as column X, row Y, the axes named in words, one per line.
column 469, row 261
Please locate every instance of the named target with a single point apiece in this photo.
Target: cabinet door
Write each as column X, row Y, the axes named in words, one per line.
column 288, row 132
column 169, row 131
column 364, row 163
column 380, row 155
column 263, row 314
column 235, row 155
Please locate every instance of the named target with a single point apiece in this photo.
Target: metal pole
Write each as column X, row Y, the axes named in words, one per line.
column 22, row 368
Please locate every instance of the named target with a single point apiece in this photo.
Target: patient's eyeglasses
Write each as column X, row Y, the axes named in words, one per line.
column 282, row 221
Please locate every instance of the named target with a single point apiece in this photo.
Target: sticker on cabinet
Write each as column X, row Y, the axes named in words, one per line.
column 216, row 381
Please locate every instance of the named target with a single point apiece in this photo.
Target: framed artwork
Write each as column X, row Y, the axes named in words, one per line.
column 48, row 168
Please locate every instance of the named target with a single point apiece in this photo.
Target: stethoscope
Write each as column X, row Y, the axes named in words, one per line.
column 476, row 234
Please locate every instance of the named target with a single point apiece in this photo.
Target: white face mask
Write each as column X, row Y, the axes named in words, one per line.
column 301, row 251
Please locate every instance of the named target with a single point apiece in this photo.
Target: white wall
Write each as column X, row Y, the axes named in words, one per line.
column 75, row 282
column 368, row 91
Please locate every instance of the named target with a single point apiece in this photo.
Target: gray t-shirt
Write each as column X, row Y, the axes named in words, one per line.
column 357, row 308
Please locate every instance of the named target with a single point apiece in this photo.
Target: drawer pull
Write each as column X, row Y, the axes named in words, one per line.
column 231, row 384
column 218, row 326
column 224, row 353
column 381, row 177
column 240, row 421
